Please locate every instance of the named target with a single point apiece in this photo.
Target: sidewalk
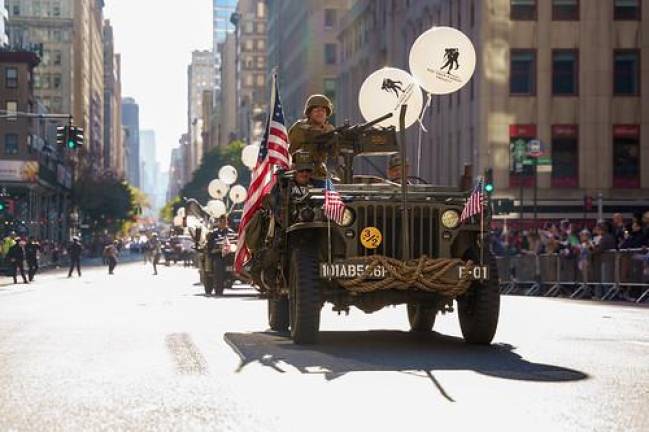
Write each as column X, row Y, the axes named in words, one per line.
column 85, row 262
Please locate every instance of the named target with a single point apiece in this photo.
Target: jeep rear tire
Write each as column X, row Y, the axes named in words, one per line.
column 278, row 316
column 421, row 318
column 479, row 307
column 304, row 295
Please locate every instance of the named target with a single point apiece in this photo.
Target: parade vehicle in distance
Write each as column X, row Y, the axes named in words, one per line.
column 375, row 257
column 214, row 251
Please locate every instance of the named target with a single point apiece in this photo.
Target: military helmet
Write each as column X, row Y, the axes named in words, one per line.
column 318, row 100
column 302, row 160
column 395, row 160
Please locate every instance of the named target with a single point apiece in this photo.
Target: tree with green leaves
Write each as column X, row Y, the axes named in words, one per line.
column 208, row 171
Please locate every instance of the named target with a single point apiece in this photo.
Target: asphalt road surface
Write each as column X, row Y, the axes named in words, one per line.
column 140, row 352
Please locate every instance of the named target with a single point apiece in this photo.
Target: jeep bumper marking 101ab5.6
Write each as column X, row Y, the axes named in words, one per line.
column 342, row 270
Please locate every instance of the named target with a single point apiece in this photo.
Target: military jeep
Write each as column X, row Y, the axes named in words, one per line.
column 379, row 255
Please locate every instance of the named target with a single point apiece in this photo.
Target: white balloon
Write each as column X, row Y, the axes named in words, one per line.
column 238, row 194
column 217, row 189
column 228, row 174
column 192, row 221
column 178, row 221
column 442, row 60
column 216, row 208
column 384, row 91
column 181, row 212
column 249, row 155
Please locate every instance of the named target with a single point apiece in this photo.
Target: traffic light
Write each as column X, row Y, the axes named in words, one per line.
column 69, row 136
column 75, row 139
column 62, row 135
column 489, row 181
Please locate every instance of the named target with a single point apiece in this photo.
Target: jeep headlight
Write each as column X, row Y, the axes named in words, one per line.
column 450, row 219
column 348, row 217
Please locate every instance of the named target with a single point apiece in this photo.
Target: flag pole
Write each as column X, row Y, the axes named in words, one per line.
column 328, row 228
column 482, row 223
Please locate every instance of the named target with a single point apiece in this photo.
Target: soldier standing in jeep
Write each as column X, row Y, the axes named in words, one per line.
column 317, row 110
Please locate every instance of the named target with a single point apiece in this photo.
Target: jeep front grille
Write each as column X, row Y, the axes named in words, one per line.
column 424, row 229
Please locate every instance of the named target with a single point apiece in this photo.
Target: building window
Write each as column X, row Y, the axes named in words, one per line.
column 249, row 80
column 626, row 10
column 523, row 10
column 249, row 27
column 261, row 28
column 248, row 45
column 626, row 156
column 330, row 18
column 11, row 77
column 522, row 79
column 521, row 171
column 330, row 54
column 565, row 156
column 12, row 109
column 626, row 72
column 260, row 62
column 565, row 73
column 260, row 80
column 57, row 58
column 261, row 44
column 261, row 9
column 11, row 144
column 16, row 9
column 56, row 81
column 565, row 10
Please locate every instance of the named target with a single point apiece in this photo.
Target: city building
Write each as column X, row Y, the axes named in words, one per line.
column 4, row 32
column 252, row 91
column 227, row 102
column 200, row 77
column 209, row 115
column 221, row 27
column 304, row 49
column 35, row 175
column 149, row 167
column 176, row 177
column 113, row 144
column 566, row 73
column 131, row 124
column 70, row 77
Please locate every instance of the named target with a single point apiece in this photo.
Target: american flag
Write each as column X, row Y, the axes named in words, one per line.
column 273, row 150
column 474, row 204
column 333, row 205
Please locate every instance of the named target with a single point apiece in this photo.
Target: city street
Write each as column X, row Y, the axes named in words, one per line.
column 140, row 352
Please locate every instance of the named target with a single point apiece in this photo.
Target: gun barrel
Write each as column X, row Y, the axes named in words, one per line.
column 376, row 121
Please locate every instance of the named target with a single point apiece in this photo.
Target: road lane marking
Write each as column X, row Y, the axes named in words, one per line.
column 186, row 355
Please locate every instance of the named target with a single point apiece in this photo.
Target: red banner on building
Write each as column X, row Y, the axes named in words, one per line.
column 626, row 131
column 564, row 131
column 522, row 131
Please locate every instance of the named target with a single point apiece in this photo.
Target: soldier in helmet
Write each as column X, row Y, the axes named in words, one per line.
column 317, row 110
column 394, row 168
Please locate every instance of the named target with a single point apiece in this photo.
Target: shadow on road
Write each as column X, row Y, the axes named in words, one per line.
column 339, row 353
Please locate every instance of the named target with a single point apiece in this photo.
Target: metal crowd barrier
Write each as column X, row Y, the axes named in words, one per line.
column 605, row 276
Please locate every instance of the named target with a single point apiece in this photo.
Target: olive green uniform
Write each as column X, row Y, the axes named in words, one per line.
column 298, row 141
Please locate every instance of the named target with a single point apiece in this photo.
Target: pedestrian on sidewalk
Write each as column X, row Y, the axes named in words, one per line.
column 32, row 249
column 110, row 252
column 155, row 250
column 16, row 257
column 74, row 251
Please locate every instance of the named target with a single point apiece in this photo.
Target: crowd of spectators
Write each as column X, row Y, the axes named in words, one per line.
column 566, row 238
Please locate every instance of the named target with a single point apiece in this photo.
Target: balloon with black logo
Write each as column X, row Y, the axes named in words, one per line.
column 384, row 91
column 442, row 60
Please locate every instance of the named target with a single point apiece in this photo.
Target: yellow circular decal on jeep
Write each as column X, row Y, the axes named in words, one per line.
column 371, row 237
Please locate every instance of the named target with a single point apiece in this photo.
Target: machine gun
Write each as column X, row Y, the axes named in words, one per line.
column 352, row 140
